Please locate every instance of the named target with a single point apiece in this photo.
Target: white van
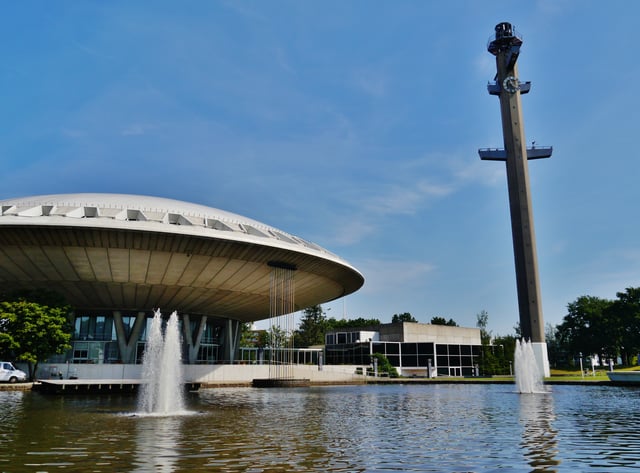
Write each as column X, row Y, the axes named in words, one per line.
column 10, row 373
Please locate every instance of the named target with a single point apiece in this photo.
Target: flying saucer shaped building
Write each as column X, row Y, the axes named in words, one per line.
column 117, row 257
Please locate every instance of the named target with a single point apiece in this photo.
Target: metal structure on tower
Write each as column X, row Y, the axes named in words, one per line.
column 505, row 46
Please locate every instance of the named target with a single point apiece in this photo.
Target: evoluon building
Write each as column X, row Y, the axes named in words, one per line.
column 116, row 258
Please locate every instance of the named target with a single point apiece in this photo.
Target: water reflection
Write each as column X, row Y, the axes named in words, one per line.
column 602, row 429
column 539, row 436
column 11, row 411
column 438, row 428
column 157, row 440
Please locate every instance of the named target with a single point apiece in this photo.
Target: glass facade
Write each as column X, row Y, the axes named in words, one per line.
column 301, row 356
column 410, row 358
column 95, row 338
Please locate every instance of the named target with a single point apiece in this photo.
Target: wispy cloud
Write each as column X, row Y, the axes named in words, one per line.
column 406, row 199
column 353, row 231
column 371, row 82
column 389, row 276
column 467, row 171
column 136, row 129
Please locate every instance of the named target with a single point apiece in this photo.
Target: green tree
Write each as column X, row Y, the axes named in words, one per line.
column 557, row 355
column 277, row 337
column 586, row 327
column 622, row 324
column 503, row 350
column 437, row 320
column 385, row 366
column 247, row 336
column 333, row 324
column 489, row 360
column 263, row 339
column 313, row 326
column 482, row 322
column 404, row 317
column 32, row 332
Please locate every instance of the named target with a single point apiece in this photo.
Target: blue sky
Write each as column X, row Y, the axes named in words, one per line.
column 354, row 124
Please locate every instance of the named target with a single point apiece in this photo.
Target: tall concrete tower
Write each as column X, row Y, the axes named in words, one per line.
column 505, row 46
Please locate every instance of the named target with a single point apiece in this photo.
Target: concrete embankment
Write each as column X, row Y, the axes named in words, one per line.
column 16, row 386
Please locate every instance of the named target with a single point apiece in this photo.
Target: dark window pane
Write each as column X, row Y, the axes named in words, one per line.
column 393, row 348
column 409, row 348
column 409, row 360
column 423, row 360
column 425, row 349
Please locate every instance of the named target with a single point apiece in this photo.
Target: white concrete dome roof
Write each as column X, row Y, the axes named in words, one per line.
column 137, row 211
column 139, row 252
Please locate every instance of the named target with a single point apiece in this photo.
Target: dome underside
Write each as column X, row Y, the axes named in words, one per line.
column 97, row 268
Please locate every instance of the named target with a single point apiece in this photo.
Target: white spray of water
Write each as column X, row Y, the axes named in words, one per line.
column 162, row 390
column 528, row 377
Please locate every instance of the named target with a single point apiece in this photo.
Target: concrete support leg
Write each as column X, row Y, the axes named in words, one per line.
column 127, row 346
column 232, row 340
column 193, row 340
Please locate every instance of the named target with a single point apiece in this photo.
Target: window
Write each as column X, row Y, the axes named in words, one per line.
column 207, row 353
column 81, row 328
column 425, row 349
column 94, row 327
column 127, row 322
column 393, row 348
column 80, row 351
column 211, row 333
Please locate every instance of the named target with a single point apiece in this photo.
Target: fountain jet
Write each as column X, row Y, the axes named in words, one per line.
column 162, row 390
column 528, row 377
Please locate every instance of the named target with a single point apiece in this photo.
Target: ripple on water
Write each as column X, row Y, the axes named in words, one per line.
column 439, row 428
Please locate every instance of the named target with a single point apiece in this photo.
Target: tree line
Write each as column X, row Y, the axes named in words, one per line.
column 314, row 324
column 609, row 328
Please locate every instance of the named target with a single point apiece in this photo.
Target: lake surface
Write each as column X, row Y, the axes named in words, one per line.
column 436, row 427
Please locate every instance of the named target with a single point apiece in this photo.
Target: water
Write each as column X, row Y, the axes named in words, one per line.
column 528, row 377
column 427, row 428
column 162, row 393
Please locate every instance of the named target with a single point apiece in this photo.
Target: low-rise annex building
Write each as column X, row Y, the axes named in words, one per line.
column 116, row 258
column 415, row 349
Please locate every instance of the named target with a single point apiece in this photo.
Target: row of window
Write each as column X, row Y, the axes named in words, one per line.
column 405, row 354
column 102, row 328
column 95, row 339
column 109, row 352
column 343, row 337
